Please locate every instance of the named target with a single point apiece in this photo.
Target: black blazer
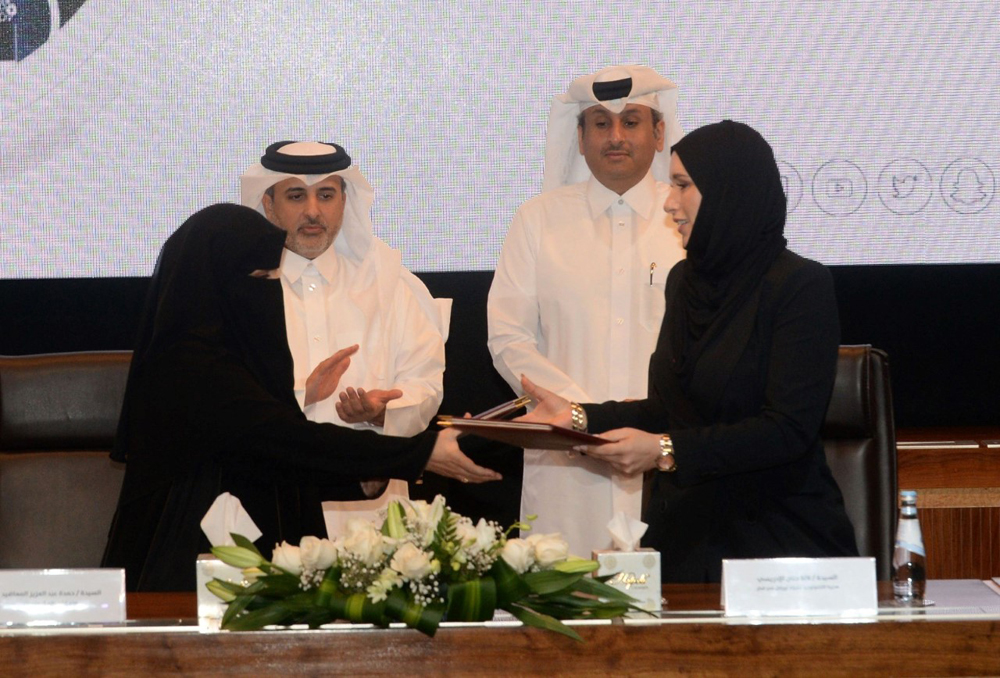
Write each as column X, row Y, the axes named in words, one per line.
column 753, row 482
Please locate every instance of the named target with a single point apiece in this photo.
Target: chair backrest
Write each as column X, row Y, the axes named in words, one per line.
column 859, row 435
column 58, row 487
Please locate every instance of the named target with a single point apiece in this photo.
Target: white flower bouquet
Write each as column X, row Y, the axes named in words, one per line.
column 425, row 564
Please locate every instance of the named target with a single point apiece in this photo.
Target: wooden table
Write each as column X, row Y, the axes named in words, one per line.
column 956, row 473
column 700, row 642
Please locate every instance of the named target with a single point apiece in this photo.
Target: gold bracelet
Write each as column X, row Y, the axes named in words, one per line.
column 579, row 416
column 666, row 462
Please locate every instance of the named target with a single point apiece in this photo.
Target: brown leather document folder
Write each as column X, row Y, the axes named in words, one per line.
column 523, row 434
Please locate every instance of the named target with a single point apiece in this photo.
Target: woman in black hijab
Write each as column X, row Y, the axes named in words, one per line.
column 740, row 379
column 209, row 408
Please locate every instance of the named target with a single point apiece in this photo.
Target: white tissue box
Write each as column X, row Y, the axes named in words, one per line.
column 210, row 606
column 636, row 572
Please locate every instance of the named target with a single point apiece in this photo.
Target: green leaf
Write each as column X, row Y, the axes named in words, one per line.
column 430, row 619
column 276, row 586
column 234, row 587
column 567, row 599
column 445, row 537
column 472, row 600
column 359, row 608
column 394, row 525
column 242, row 541
column 235, row 608
column 423, row 619
column 550, row 581
column 510, row 585
column 276, row 613
column 550, row 607
column 593, row 587
column 608, row 612
column 328, row 587
column 317, row 617
column 222, row 590
column 574, row 606
column 238, row 556
column 337, row 604
column 541, row 621
column 577, row 566
column 301, row 603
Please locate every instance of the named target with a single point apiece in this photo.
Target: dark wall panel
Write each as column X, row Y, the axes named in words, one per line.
column 939, row 324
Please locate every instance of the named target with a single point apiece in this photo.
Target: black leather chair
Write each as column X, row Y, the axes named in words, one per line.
column 58, row 487
column 859, row 435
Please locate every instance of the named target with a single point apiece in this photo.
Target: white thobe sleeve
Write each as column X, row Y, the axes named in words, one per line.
column 417, row 357
column 513, row 317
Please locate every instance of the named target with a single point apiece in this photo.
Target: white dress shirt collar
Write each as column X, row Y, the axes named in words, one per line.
column 641, row 197
column 294, row 265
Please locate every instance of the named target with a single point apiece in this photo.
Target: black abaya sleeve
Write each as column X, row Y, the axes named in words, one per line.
column 199, row 401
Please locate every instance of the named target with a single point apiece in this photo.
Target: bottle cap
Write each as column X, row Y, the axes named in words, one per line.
column 908, row 494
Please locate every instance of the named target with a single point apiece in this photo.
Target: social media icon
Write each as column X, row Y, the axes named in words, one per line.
column 902, row 187
column 969, row 189
column 791, row 182
column 968, row 185
column 905, row 186
column 839, row 187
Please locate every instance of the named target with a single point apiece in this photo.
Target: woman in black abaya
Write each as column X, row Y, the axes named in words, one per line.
column 209, row 408
column 740, row 380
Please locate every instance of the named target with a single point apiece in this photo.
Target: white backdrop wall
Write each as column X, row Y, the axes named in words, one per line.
column 119, row 119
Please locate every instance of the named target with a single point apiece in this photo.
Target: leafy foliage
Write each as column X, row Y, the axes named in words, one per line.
column 423, row 565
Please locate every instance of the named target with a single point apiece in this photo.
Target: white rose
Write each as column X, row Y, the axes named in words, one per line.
column 411, row 562
column 317, row 554
column 549, row 549
column 519, row 554
column 287, row 557
column 364, row 542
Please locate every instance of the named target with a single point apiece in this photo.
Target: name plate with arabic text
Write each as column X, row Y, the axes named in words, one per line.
column 53, row 597
column 799, row 587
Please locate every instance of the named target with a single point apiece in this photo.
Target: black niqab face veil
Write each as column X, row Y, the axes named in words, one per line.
column 737, row 234
column 202, row 294
column 197, row 267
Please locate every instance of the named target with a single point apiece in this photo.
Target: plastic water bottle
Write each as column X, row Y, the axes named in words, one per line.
column 909, row 574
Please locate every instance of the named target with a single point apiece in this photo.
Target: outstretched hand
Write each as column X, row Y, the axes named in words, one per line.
column 323, row 381
column 448, row 460
column 549, row 408
column 360, row 405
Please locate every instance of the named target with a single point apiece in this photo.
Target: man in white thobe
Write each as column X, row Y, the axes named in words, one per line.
column 577, row 298
column 351, row 308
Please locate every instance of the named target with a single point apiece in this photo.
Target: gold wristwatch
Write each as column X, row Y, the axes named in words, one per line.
column 666, row 461
column 579, row 417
